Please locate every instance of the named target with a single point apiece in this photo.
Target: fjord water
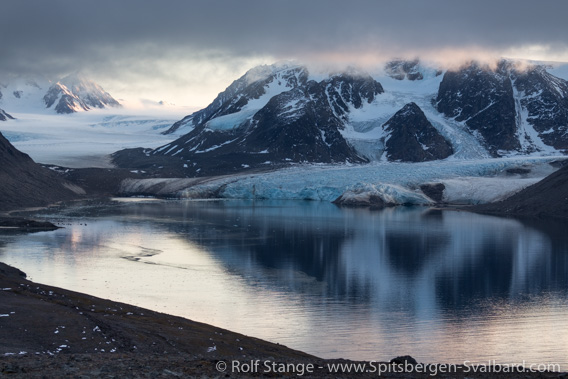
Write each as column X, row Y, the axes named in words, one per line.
column 442, row 286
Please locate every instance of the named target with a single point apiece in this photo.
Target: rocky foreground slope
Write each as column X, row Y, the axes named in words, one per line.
column 84, row 336
column 25, row 183
column 547, row 198
column 50, row 331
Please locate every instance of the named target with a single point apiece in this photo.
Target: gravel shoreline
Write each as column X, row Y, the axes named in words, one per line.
column 49, row 332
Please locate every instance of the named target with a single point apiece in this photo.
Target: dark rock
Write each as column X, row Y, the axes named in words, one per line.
column 483, row 99
column 360, row 199
column 404, row 360
column 547, row 198
column 27, row 184
column 412, row 138
column 11, row 369
column 434, row 191
column 546, row 100
column 518, row 170
column 493, row 102
column 24, row 224
column 5, row 116
column 348, row 88
column 11, row 272
column 559, row 163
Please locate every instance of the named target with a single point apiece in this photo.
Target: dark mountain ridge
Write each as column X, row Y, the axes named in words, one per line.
column 412, row 138
column 27, row 184
column 547, row 198
column 510, row 106
column 5, row 116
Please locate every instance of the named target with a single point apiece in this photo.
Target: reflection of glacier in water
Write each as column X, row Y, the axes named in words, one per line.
column 335, row 282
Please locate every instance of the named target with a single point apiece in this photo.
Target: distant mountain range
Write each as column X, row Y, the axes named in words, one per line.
column 282, row 114
column 73, row 93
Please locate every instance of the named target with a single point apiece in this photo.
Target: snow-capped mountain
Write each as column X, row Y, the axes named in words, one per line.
column 510, row 108
column 273, row 114
column 407, row 112
column 260, row 84
column 73, row 93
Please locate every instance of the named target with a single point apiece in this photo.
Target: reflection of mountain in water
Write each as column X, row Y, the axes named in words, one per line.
column 397, row 257
column 403, row 258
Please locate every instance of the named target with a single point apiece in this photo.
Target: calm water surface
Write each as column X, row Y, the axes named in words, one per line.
column 441, row 286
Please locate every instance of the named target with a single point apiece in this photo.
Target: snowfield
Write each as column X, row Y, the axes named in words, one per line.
column 86, row 139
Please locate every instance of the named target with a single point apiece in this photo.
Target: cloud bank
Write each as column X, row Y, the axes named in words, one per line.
column 183, row 43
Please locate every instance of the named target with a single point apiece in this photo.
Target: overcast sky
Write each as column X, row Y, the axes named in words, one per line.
column 186, row 51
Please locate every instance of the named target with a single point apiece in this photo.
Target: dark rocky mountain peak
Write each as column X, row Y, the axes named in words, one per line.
column 5, row 116
column 544, row 97
column 350, row 89
column 483, row 99
column 410, row 137
column 250, row 86
column 504, row 104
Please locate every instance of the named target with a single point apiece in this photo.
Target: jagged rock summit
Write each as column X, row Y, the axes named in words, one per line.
column 511, row 108
column 272, row 115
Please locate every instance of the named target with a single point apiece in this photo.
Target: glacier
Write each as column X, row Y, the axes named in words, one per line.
column 87, row 139
column 467, row 182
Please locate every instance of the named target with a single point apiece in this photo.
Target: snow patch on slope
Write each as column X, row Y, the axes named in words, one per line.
column 274, row 88
column 528, row 136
